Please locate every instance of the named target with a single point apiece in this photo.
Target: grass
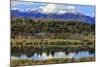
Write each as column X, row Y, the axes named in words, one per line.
column 15, row 63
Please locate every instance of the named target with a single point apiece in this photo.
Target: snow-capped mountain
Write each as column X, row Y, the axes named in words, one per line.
column 73, row 16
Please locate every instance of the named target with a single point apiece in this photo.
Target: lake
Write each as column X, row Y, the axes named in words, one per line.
column 54, row 55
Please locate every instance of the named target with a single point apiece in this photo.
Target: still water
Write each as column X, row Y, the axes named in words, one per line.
column 57, row 55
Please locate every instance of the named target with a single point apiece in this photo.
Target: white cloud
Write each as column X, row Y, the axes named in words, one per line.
column 71, row 8
column 43, row 7
column 49, row 8
column 54, row 8
column 17, row 3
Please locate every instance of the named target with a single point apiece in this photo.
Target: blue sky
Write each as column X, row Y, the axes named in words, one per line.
column 52, row 8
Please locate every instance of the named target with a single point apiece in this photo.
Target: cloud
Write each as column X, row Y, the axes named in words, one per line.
column 52, row 8
column 71, row 8
column 56, row 8
column 22, row 6
column 42, row 7
column 49, row 8
column 26, row 6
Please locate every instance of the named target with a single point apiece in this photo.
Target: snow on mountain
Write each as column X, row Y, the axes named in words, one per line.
column 65, row 15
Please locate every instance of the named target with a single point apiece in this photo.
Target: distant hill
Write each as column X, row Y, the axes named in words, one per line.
column 65, row 16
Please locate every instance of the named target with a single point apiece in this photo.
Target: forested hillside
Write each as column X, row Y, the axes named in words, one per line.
column 52, row 29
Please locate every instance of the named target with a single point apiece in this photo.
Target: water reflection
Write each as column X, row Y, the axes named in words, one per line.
column 45, row 56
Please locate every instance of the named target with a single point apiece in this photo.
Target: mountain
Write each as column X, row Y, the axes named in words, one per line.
column 65, row 16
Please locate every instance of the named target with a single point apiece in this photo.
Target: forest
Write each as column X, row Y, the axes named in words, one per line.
column 52, row 29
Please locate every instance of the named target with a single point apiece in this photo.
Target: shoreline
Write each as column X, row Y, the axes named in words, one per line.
column 16, row 63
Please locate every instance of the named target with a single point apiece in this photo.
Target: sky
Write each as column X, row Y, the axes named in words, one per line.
column 88, row 10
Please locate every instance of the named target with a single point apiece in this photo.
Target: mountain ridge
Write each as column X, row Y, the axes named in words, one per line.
column 64, row 16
